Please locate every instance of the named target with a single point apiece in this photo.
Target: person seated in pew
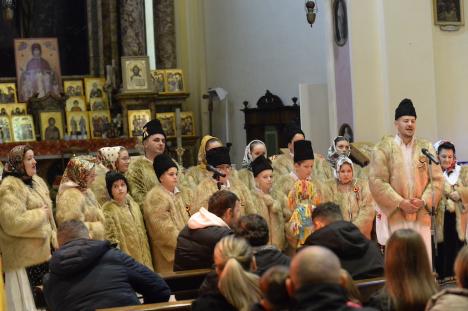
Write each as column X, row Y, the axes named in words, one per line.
column 315, row 282
column 253, row 150
column 237, row 287
column 358, row 255
column 409, row 281
column 197, row 240
column 166, row 212
column 255, row 230
column 454, row 299
column 274, row 293
column 88, row 274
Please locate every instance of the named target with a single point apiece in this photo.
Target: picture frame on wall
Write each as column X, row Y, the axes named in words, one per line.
column 100, row 122
column 73, row 88
column 137, row 120
column 51, row 125
column 78, row 125
column 8, row 93
column 96, row 104
column 94, row 88
column 448, row 12
column 37, row 67
column 187, row 123
column 168, row 123
column 75, row 104
column 5, row 129
column 174, row 81
column 136, row 75
column 159, row 77
column 23, row 128
column 17, row 109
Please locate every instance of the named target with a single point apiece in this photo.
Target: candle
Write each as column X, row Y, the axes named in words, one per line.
column 178, row 128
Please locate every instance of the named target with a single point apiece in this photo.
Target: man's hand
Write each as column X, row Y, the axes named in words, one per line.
column 455, row 196
column 408, row 207
column 418, row 203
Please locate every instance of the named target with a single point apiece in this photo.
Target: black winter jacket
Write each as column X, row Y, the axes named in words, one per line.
column 88, row 274
column 195, row 247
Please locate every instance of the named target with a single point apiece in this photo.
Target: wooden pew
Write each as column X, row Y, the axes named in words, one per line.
column 183, row 305
column 368, row 287
column 185, row 284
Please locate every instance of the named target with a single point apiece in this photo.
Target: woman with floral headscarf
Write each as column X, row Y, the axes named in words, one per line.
column 27, row 228
column 351, row 194
column 76, row 201
column 253, row 150
column 340, row 146
column 195, row 174
column 452, row 217
column 114, row 159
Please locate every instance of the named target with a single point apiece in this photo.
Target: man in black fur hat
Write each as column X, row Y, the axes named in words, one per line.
column 399, row 176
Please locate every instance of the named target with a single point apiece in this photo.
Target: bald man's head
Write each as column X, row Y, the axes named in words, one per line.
column 314, row 265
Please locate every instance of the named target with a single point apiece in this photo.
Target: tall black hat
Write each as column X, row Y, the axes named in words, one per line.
column 218, row 156
column 260, row 164
column 162, row 163
column 405, row 108
column 151, row 128
column 303, row 151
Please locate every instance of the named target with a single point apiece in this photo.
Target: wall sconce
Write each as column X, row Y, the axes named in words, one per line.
column 311, row 11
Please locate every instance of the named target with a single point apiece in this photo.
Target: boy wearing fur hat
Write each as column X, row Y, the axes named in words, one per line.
column 399, row 176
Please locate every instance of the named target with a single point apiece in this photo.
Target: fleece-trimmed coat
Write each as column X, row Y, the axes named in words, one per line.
column 165, row 215
column 25, row 231
column 74, row 204
column 126, row 228
column 389, row 184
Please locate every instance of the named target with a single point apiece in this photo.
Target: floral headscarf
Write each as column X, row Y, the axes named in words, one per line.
column 76, row 173
column 248, row 154
column 333, row 154
column 15, row 166
column 108, row 156
column 202, row 150
column 342, row 160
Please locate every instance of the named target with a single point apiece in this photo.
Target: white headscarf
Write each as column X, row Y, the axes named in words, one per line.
column 333, row 154
column 248, row 155
column 342, row 159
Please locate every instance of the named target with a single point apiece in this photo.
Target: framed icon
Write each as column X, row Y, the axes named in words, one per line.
column 94, row 88
column 18, row 109
column 186, row 123
column 78, row 125
column 5, row 129
column 75, row 104
column 137, row 120
column 159, row 77
column 168, row 123
column 448, row 12
column 73, row 88
column 23, row 128
column 98, row 104
column 174, row 81
column 8, row 93
column 51, row 125
column 136, row 75
column 100, row 122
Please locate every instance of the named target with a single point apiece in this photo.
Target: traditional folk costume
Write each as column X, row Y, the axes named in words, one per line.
column 75, row 201
column 354, row 199
column 166, row 213
column 125, row 225
column 398, row 171
column 452, row 218
column 245, row 174
column 26, row 233
column 208, row 186
column 267, row 206
column 107, row 158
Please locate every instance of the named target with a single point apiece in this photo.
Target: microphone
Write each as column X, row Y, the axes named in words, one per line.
column 215, row 171
column 429, row 155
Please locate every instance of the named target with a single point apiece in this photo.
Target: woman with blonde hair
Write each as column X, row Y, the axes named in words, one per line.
column 238, row 287
column 409, row 282
column 76, row 201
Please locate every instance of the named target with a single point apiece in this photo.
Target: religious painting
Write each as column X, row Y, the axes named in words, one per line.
column 4, row 110
column 23, row 128
column 168, row 123
column 448, row 12
column 100, row 122
column 137, row 120
column 75, row 104
column 174, row 81
column 187, row 127
column 7, row 93
column 98, row 104
column 94, row 88
column 77, row 125
column 73, row 88
column 159, row 77
column 51, row 125
column 136, row 75
column 5, row 129
column 37, row 67
column 18, row 109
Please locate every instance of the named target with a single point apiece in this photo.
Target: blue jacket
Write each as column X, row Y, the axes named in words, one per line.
column 88, row 274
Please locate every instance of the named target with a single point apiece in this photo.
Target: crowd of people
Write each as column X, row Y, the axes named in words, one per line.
column 286, row 232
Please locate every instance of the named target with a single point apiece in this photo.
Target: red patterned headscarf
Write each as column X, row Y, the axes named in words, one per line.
column 77, row 172
column 15, row 166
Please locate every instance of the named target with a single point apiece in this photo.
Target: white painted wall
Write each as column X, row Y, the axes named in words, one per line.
column 255, row 45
